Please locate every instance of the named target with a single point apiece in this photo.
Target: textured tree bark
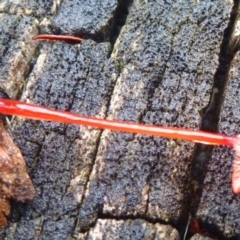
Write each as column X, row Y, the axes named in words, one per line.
column 161, row 66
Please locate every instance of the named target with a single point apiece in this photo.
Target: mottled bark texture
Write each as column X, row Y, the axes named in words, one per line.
column 157, row 67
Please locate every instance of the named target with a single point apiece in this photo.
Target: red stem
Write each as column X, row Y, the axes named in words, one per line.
column 31, row 111
column 69, row 39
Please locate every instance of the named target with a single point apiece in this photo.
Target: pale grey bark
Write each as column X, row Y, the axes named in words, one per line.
column 94, row 184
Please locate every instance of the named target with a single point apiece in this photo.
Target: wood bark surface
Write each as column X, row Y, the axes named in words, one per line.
column 168, row 63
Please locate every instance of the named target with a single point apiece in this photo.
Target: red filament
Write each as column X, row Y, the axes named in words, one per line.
column 68, row 39
column 31, row 111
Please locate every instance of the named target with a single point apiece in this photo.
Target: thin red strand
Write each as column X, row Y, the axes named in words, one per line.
column 31, row 111
column 64, row 38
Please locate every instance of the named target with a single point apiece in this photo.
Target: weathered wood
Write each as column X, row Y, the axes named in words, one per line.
column 159, row 71
column 219, row 207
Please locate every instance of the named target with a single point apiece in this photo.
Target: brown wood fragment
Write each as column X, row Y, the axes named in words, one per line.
column 4, row 211
column 14, row 180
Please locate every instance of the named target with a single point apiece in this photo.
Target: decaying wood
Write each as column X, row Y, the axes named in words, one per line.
column 161, row 70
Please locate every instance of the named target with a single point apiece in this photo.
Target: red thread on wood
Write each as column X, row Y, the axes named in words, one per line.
column 31, row 111
column 68, row 39
column 21, row 109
